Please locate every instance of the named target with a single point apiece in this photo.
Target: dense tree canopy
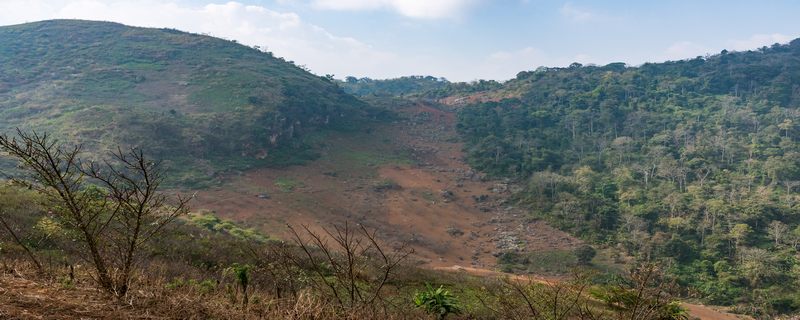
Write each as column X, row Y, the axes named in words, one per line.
column 693, row 163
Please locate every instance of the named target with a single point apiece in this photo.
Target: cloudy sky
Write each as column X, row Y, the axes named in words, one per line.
column 458, row 39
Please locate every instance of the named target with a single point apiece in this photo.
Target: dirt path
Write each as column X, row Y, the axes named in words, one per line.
column 709, row 313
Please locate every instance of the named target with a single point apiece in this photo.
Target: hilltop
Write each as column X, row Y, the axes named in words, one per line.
column 205, row 105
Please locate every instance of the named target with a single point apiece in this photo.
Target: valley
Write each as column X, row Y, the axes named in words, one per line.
column 162, row 171
column 407, row 180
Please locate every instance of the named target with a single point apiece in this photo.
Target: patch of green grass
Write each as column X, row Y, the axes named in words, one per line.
column 208, row 220
column 428, row 195
column 287, row 184
column 369, row 158
column 543, row 262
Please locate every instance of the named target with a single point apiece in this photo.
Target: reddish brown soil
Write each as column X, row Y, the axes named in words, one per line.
column 709, row 313
column 434, row 195
column 415, row 212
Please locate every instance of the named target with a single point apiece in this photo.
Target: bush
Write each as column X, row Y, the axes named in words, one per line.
column 439, row 301
column 585, row 254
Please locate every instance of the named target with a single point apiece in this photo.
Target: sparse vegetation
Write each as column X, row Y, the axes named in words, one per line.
column 546, row 262
column 385, row 185
column 287, row 184
column 203, row 105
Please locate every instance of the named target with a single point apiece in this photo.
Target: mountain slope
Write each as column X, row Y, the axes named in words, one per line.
column 690, row 164
column 201, row 103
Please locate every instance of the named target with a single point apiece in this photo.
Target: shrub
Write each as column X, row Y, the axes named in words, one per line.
column 585, row 254
column 438, row 301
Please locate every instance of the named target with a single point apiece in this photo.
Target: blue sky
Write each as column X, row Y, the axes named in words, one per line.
column 461, row 40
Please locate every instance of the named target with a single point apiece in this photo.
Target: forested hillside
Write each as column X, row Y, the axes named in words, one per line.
column 693, row 164
column 402, row 86
column 202, row 104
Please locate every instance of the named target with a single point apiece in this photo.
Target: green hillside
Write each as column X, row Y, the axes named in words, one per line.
column 691, row 164
column 202, row 104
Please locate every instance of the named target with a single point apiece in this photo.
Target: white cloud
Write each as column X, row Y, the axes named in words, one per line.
column 577, row 14
column 508, row 63
column 759, row 40
column 684, row 50
column 283, row 33
column 687, row 49
column 425, row 9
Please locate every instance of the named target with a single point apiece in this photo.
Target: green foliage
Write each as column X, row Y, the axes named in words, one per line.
column 410, row 85
column 203, row 105
column 584, row 254
column 287, row 184
column 437, row 301
column 689, row 163
column 240, row 273
column 203, row 287
column 541, row 262
column 211, row 222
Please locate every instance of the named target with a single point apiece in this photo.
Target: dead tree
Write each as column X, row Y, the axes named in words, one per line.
column 55, row 172
column 133, row 182
column 515, row 298
column 112, row 220
column 347, row 263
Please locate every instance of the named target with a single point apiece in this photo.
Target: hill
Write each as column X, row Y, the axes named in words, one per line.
column 691, row 164
column 202, row 104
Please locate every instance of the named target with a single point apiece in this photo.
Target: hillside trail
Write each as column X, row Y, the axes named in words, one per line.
column 453, row 218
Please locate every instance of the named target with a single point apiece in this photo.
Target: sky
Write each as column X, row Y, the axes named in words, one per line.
column 461, row 40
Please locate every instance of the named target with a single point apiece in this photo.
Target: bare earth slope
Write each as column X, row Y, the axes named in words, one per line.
column 418, row 154
column 407, row 180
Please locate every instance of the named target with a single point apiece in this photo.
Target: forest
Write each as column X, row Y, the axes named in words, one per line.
column 690, row 164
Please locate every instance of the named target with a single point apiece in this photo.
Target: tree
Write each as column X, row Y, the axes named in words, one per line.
column 132, row 182
column 112, row 220
column 585, row 254
column 353, row 270
column 777, row 230
column 740, row 232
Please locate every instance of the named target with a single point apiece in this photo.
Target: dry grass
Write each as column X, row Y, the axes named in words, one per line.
column 26, row 295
